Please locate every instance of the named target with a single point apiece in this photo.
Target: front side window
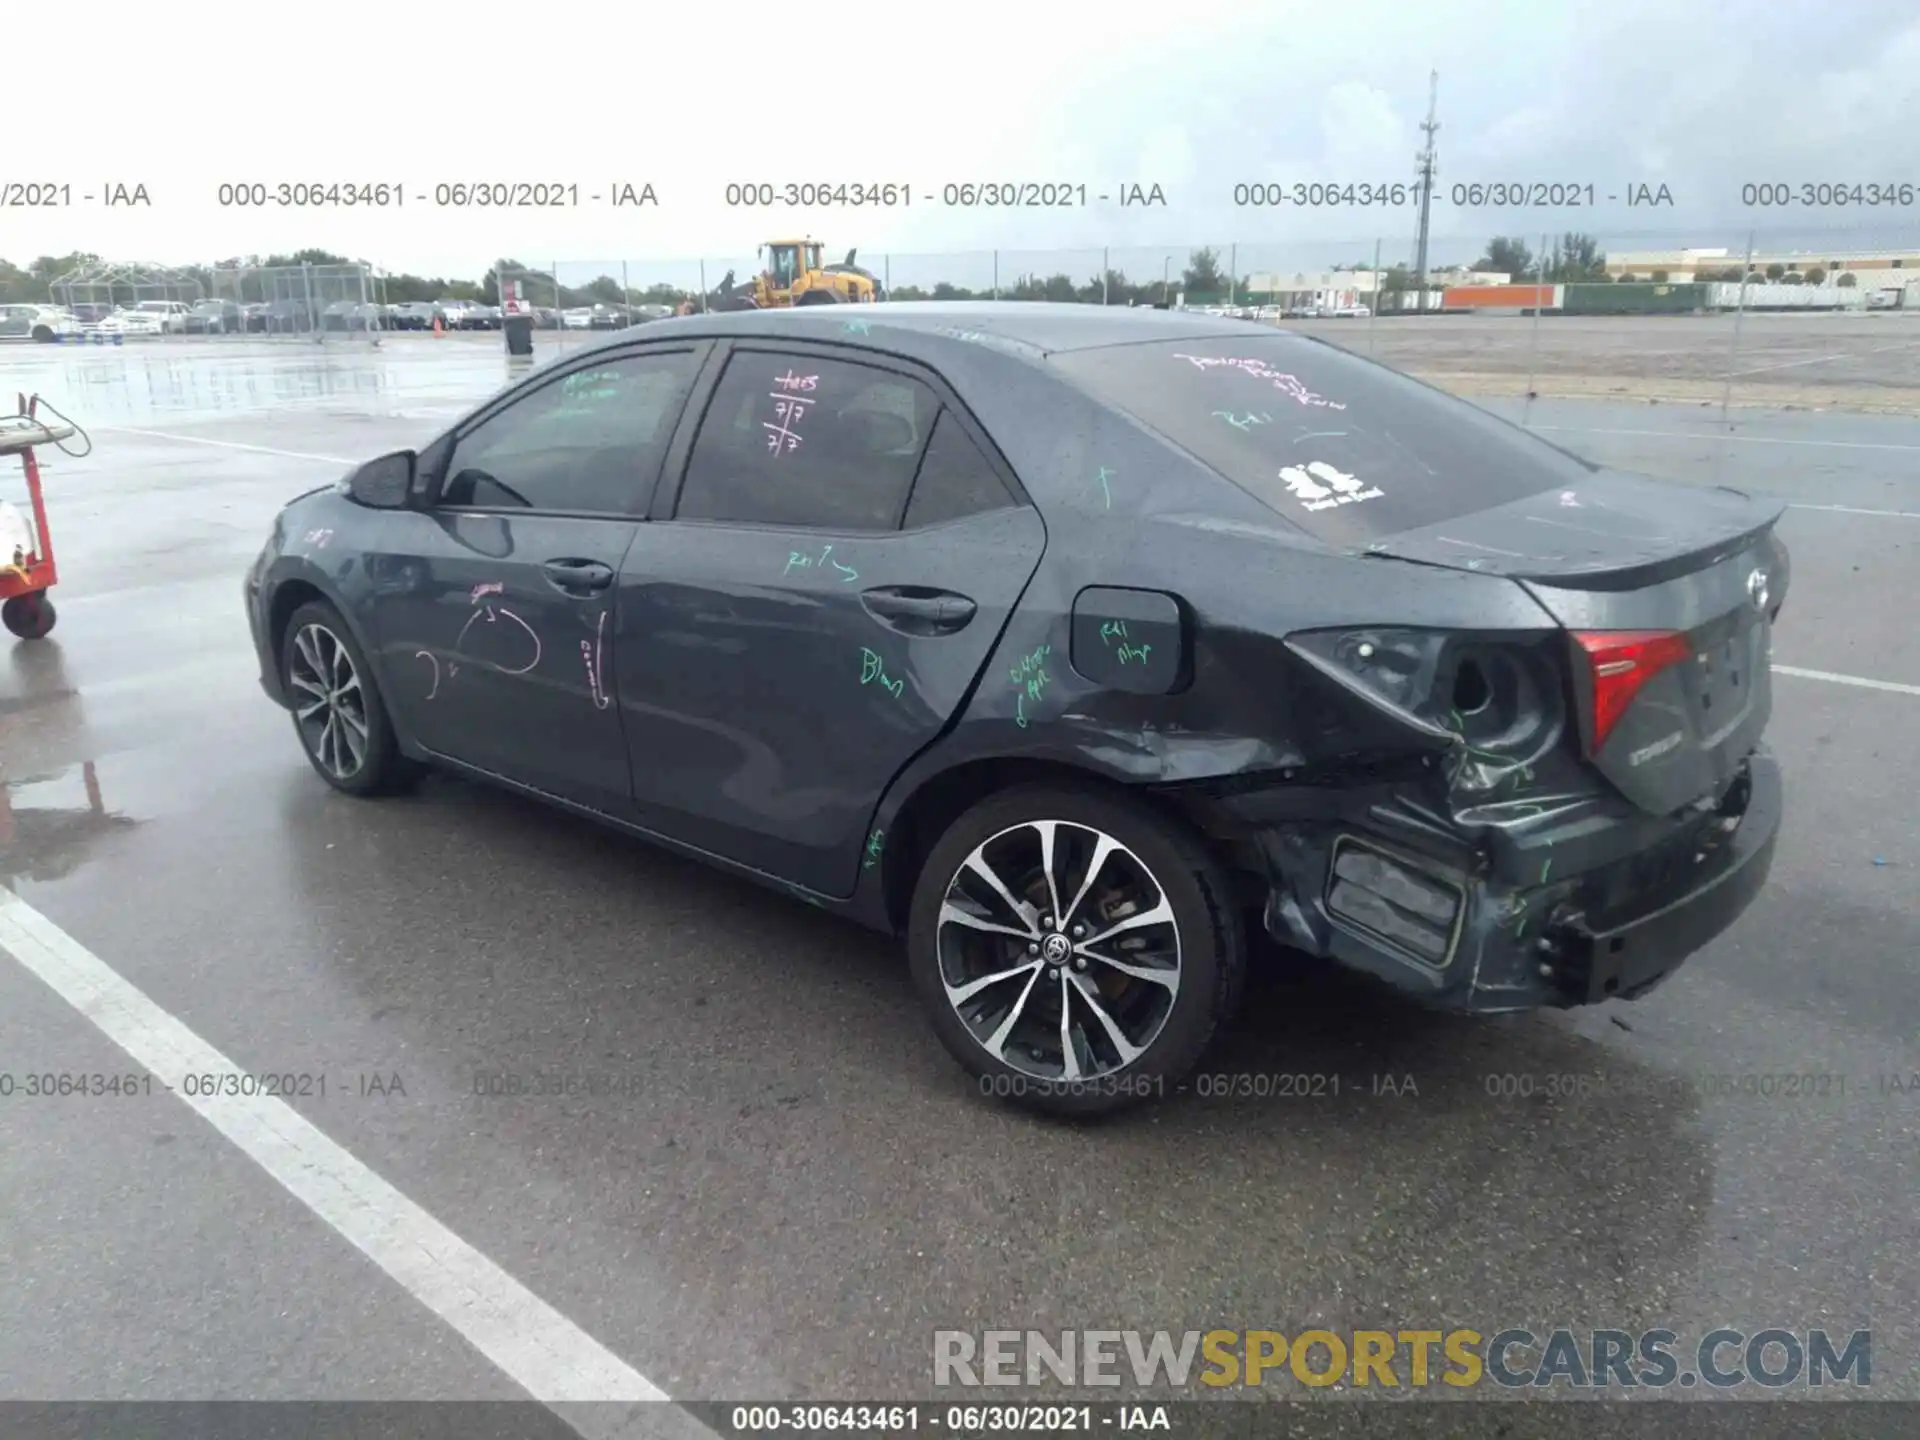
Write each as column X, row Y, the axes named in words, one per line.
column 801, row 440
column 591, row 440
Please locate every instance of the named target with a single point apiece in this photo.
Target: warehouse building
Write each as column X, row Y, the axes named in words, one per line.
column 1871, row 270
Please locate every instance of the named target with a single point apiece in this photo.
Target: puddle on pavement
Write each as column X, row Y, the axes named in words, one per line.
column 51, row 825
column 157, row 384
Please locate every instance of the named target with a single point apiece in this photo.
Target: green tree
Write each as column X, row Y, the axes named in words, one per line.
column 1775, row 271
column 1203, row 275
column 1508, row 253
column 1817, row 276
column 1576, row 257
column 1847, row 280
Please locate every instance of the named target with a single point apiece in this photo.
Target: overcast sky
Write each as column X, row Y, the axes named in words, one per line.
column 1194, row 97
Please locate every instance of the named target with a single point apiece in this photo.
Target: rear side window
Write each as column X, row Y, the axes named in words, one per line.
column 955, row 479
column 795, row 439
column 1350, row 451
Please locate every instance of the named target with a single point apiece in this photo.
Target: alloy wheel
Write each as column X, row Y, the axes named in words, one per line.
column 1059, row 951
column 330, row 706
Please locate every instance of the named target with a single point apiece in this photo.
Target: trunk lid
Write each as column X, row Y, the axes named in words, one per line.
column 1624, row 553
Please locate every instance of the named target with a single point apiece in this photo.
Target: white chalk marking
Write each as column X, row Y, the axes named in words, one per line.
column 532, row 1343
column 224, row 444
column 1857, row 680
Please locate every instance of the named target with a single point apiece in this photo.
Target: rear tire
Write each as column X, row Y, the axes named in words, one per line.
column 29, row 616
column 338, row 712
column 1139, row 1018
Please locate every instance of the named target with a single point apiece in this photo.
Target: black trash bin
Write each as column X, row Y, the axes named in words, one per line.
column 519, row 330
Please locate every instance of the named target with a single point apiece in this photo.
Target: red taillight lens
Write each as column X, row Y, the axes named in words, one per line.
column 1621, row 662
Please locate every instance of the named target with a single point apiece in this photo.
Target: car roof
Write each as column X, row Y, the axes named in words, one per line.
column 1038, row 327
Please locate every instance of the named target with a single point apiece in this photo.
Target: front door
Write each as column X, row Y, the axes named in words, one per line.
column 841, row 560
column 493, row 609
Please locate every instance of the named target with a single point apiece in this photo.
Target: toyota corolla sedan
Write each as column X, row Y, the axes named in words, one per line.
column 1067, row 644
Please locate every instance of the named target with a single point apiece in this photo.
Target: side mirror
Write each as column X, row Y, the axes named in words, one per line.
column 386, row 483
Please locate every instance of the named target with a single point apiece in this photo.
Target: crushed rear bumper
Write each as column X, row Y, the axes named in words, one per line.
column 1603, row 908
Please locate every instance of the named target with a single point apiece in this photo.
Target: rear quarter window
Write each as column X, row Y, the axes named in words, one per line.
column 1350, row 451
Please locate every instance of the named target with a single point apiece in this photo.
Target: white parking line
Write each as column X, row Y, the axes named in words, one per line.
column 1823, row 359
column 1860, row 681
column 1855, row 510
column 535, row 1345
column 1742, row 439
column 222, row 444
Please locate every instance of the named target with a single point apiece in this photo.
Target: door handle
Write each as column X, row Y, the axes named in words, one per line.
column 576, row 575
column 918, row 611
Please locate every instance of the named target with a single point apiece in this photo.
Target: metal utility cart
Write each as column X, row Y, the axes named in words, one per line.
column 27, row 569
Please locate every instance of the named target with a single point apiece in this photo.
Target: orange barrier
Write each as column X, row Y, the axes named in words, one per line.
column 1500, row 297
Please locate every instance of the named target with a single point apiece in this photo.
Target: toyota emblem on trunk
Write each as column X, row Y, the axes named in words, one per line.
column 1757, row 589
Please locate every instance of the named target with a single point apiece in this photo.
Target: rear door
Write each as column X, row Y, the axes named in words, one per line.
column 812, row 605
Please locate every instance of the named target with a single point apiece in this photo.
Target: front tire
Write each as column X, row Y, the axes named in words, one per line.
column 1105, row 1006
column 338, row 711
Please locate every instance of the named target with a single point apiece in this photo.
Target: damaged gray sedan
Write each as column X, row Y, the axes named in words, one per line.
column 1068, row 644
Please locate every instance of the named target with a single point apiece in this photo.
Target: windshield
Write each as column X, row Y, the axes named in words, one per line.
column 1348, row 450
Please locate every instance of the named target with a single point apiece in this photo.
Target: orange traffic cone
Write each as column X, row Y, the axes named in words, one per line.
column 438, row 328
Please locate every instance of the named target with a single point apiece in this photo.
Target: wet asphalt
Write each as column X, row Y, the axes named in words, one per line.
column 785, row 1186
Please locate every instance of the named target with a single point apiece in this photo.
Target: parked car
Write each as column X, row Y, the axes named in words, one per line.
column 991, row 627
column 482, row 317
column 1351, row 312
column 216, row 317
column 579, row 317
column 172, row 315
column 353, row 315
column 280, row 317
column 131, row 322
column 413, row 315
column 42, row 323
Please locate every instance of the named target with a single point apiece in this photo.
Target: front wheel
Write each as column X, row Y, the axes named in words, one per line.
column 337, row 708
column 1077, row 952
column 29, row 616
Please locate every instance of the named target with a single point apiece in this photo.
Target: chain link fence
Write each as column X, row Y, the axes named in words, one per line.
column 1768, row 316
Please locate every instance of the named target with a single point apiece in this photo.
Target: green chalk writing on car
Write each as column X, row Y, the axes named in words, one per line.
column 875, row 842
column 1130, row 653
column 1244, row 422
column 873, row 669
column 1029, row 679
column 1112, row 629
column 798, row 561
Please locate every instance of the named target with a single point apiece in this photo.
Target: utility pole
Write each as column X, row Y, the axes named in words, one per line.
column 1426, row 159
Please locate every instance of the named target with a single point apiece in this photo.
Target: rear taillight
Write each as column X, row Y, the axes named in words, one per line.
column 1494, row 698
column 1620, row 663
